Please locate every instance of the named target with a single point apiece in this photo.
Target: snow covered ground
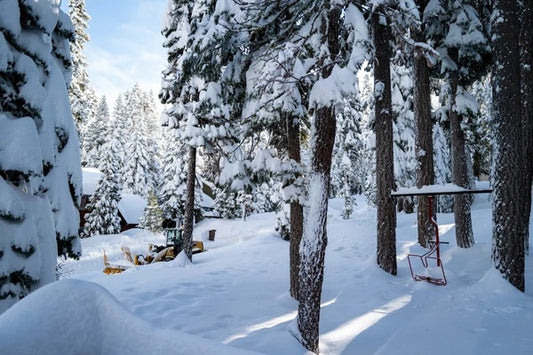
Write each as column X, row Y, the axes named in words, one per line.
column 234, row 298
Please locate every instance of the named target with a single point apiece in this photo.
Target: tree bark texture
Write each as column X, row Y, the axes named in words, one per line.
column 386, row 214
column 509, row 227
column 526, row 42
column 461, row 202
column 425, row 174
column 189, row 203
column 314, row 239
column 296, row 209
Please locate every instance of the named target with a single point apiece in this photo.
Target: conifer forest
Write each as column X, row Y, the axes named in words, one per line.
column 271, row 108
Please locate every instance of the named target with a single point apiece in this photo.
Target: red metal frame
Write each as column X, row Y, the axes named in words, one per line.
column 435, row 249
column 434, row 252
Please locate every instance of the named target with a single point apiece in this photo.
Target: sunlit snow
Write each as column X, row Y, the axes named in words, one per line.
column 236, row 295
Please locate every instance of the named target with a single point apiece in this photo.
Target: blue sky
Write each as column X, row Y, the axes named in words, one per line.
column 125, row 45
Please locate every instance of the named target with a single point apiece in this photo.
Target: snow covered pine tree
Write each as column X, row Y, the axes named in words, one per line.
column 316, row 28
column 138, row 171
column 201, row 56
column 81, row 95
column 455, row 30
column 96, row 132
column 327, row 21
column 103, row 218
column 40, row 173
column 173, row 178
column 152, row 218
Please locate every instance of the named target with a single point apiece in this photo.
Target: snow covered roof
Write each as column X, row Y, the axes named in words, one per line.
column 90, row 180
column 207, row 201
column 132, row 208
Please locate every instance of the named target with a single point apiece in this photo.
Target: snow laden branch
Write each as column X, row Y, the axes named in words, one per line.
column 40, row 173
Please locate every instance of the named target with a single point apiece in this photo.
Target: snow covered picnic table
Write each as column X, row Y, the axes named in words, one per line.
column 432, row 190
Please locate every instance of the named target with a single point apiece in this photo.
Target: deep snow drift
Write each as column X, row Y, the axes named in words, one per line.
column 236, row 294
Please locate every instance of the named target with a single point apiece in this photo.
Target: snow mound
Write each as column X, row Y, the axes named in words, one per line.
column 80, row 317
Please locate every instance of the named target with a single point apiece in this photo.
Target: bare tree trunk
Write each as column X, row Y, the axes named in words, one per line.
column 314, row 239
column 509, row 227
column 526, row 41
column 297, row 219
column 386, row 214
column 297, row 215
column 189, row 204
column 461, row 203
column 425, row 174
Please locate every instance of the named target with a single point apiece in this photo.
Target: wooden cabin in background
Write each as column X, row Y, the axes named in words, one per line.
column 130, row 208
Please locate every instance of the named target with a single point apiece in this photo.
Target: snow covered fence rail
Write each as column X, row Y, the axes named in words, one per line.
column 433, row 190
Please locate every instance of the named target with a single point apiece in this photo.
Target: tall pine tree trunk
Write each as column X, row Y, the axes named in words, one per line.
column 386, row 214
column 314, row 239
column 461, row 202
column 296, row 209
column 526, row 42
column 425, row 174
column 189, row 203
column 509, row 227
column 297, row 218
